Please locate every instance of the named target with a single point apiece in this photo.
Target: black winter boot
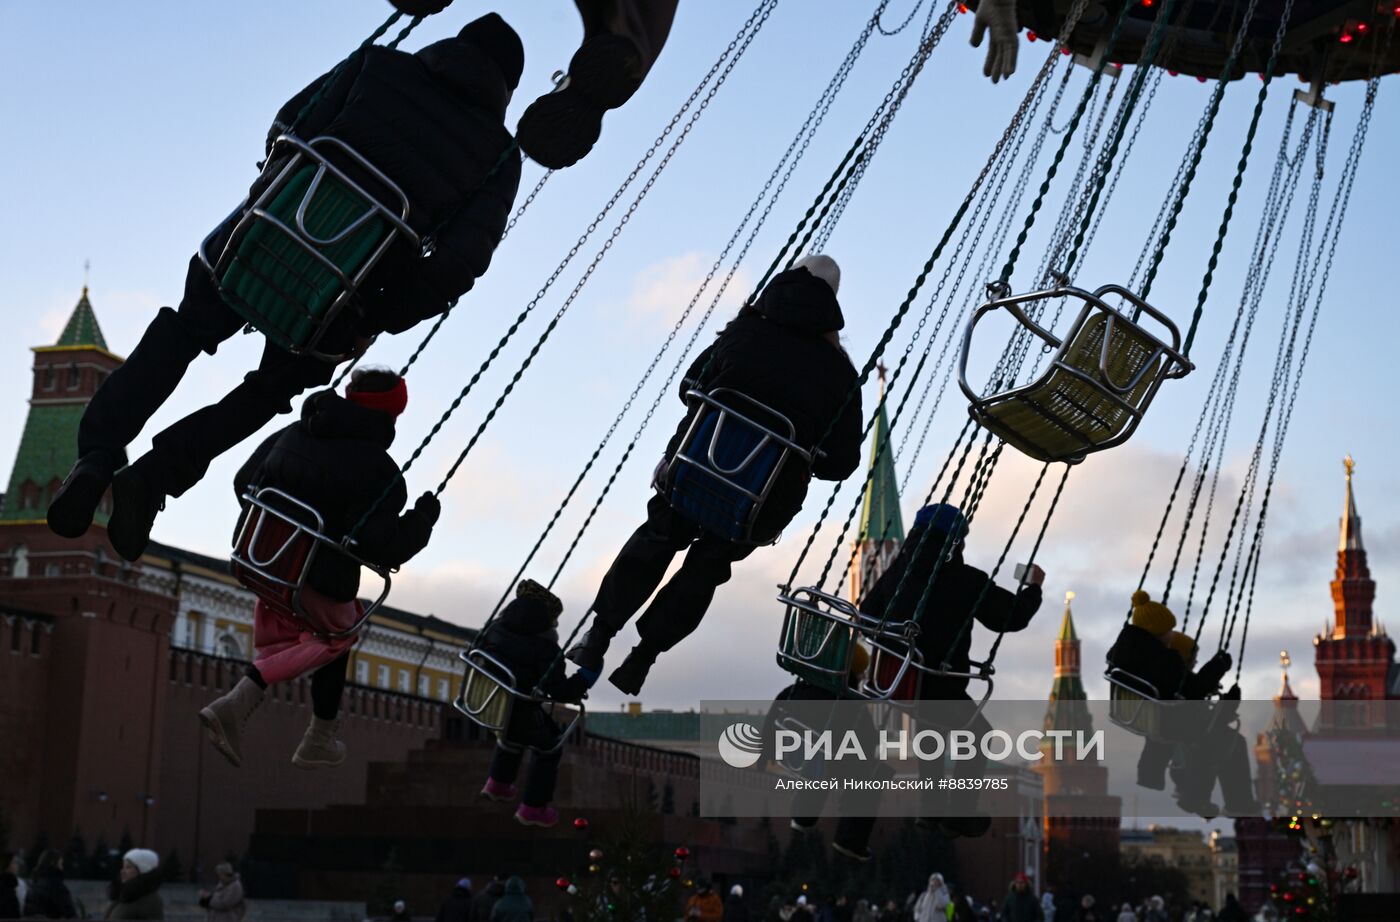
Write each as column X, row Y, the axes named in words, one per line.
column 70, row 514
column 136, row 502
column 588, row 653
column 632, row 674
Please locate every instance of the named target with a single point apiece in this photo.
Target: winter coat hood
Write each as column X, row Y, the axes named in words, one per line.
column 799, row 300
column 515, row 885
column 483, row 62
column 327, row 415
column 138, row 898
column 533, row 610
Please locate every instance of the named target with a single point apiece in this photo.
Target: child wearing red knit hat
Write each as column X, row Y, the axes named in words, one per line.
column 334, row 459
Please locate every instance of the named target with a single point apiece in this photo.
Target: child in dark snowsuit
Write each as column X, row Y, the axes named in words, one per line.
column 944, row 636
column 782, row 351
column 857, row 807
column 1144, row 650
column 335, row 459
column 524, row 639
column 1219, row 754
column 432, row 122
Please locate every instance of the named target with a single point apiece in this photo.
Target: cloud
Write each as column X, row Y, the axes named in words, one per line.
column 661, row 291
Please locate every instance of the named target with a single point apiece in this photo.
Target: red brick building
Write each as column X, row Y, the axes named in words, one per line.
column 1351, row 746
column 1076, row 844
column 104, row 665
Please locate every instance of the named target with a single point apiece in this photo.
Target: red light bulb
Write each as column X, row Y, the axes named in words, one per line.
column 580, row 824
column 1345, row 38
column 562, row 883
column 962, row 7
column 1361, row 27
column 682, row 853
column 675, row 873
column 1030, row 35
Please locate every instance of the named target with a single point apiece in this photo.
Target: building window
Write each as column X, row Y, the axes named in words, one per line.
column 361, row 672
column 74, row 377
column 50, row 379
column 382, row 677
column 29, row 495
column 34, row 633
column 19, row 568
column 424, row 684
column 443, row 691
column 15, row 626
column 403, row 680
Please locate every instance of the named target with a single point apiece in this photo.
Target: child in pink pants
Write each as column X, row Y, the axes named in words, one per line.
column 334, row 460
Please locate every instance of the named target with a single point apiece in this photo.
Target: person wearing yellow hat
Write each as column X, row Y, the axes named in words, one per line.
column 1220, row 754
column 1143, row 651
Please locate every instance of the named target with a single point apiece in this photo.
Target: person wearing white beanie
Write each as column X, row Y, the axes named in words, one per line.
column 779, row 358
column 136, row 895
column 823, row 267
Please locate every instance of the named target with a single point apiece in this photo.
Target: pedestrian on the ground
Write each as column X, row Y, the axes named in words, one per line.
column 514, row 905
column 458, row 905
column 47, row 896
column 1021, row 904
column 932, row 904
column 1126, row 913
column 704, row 905
column 735, row 909
column 400, row 913
column 225, row 902
column 484, row 902
column 136, row 892
column 11, row 903
column 1087, row 912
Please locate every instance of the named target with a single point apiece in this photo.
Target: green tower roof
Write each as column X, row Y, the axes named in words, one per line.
column 82, row 328
column 880, row 519
column 49, row 446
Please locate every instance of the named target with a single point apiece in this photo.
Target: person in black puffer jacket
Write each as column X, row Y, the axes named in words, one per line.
column 782, row 351
column 432, row 121
column 335, row 459
column 48, row 896
column 524, row 639
column 959, row 591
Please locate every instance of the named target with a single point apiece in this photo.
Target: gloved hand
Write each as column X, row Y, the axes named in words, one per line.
column 428, row 507
column 1233, row 694
column 574, row 688
column 1221, row 660
column 420, row 7
column 999, row 16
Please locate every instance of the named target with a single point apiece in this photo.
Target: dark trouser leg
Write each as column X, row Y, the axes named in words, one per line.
column 678, row 608
column 180, row 455
column 505, row 763
column 638, row 569
column 1152, row 764
column 646, row 22
column 540, row 778
column 1233, row 768
column 327, row 685
column 132, row 393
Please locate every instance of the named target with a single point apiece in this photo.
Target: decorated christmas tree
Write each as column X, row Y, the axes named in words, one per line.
column 625, row 874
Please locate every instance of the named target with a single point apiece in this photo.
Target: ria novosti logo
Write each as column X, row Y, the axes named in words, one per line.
column 741, row 745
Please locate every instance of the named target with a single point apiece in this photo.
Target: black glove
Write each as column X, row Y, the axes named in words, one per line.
column 428, row 508
column 420, row 7
column 1221, row 660
column 573, row 688
column 1233, row 694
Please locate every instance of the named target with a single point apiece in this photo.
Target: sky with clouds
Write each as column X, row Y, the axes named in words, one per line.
column 132, row 133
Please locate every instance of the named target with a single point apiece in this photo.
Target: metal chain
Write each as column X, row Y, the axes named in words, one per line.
column 776, row 183
column 729, row 56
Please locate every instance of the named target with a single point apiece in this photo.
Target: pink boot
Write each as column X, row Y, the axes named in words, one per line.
column 545, row 816
column 498, row 790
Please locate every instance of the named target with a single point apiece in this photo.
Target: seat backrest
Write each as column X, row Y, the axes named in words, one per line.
column 1130, row 350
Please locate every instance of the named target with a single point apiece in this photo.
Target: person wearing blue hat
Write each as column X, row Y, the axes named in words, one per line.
column 959, row 591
